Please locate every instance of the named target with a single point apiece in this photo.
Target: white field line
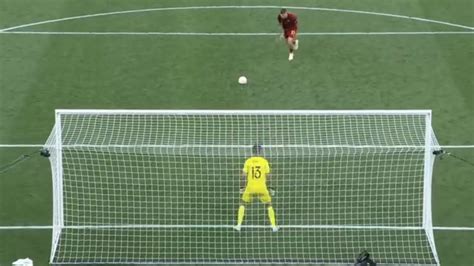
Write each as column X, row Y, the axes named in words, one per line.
column 36, row 227
column 236, row 7
column 211, row 226
column 242, row 34
column 210, row 146
column 21, row 145
column 452, row 228
column 231, row 146
column 26, row 227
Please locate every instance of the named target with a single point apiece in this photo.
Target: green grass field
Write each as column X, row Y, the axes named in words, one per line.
column 40, row 73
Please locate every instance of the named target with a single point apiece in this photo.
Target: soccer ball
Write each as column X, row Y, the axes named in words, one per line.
column 242, row 80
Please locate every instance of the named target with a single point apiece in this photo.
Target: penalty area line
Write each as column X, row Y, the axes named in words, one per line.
column 235, row 33
column 237, row 7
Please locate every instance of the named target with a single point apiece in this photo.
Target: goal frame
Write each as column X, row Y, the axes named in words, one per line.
column 57, row 177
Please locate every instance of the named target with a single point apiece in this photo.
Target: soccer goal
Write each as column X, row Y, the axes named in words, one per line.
column 162, row 187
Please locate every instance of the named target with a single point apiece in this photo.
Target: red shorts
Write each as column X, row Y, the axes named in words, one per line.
column 291, row 33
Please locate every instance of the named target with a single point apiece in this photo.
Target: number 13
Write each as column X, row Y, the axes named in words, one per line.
column 256, row 173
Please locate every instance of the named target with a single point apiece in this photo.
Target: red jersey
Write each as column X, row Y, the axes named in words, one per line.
column 290, row 22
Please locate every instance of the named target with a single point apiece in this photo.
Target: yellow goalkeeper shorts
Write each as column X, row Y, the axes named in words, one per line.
column 260, row 192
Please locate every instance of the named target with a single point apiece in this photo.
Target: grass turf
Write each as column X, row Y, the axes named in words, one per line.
column 41, row 73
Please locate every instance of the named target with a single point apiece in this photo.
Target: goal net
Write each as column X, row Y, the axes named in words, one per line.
column 155, row 186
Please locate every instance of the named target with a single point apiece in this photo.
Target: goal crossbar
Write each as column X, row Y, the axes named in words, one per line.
column 241, row 112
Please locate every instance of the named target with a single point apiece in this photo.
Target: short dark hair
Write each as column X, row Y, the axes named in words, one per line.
column 283, row 11
column 257, row 149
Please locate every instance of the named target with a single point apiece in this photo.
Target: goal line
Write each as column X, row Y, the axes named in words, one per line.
column 236, row 146
column 437, row 228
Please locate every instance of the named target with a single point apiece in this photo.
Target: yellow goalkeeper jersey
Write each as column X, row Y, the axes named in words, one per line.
column 256, row 169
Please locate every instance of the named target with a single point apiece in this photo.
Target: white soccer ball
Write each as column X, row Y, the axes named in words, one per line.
column 242, row 80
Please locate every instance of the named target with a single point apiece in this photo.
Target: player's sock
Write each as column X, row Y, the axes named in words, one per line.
column 271, row 216
column 296, row 44
column 241, row 215
column 290, row 57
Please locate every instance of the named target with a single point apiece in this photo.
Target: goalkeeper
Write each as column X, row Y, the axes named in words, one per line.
column 254, row 184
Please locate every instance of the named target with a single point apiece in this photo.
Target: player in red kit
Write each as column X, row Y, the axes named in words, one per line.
column 289, row 23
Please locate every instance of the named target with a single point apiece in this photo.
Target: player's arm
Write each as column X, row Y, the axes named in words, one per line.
column 269, row 180
column 271, row 189
column 281, row 27
column 243, row 182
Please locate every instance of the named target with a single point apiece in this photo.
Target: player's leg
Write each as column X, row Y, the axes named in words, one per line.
column 287, row 35
column 292, row 43
column 271, row 217
column 295, row 40
column 246, row 198
column 291, row 47
column 290, row 39
column 290, row 55
column 241, row 214
column 267, row 200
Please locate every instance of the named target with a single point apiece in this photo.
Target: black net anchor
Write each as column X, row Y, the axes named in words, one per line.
column 364, row 259
column 45, row 153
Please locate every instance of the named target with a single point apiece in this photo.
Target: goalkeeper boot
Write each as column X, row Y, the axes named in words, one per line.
column 275, row 229
column 237, row 228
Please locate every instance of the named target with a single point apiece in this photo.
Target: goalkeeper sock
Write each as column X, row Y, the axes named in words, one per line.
column 271, row 215
column 241, row 215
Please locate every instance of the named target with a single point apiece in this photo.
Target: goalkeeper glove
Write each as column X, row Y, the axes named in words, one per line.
column 272, row 191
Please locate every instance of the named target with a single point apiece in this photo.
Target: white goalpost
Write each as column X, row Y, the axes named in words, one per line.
column 162, row 186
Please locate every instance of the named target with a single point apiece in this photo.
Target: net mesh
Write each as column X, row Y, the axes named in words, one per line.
column 164, row 188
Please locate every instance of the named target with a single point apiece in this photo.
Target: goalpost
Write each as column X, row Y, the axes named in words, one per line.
column 162, row 186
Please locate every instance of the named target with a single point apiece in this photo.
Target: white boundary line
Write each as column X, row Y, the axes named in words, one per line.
column 217, row 226
column 97, row 33
column 235, row 7
column 454, row 228
column 26, row 227
column 210, row 146
column 438, row 228
column 218, row 146
column 22, row 145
